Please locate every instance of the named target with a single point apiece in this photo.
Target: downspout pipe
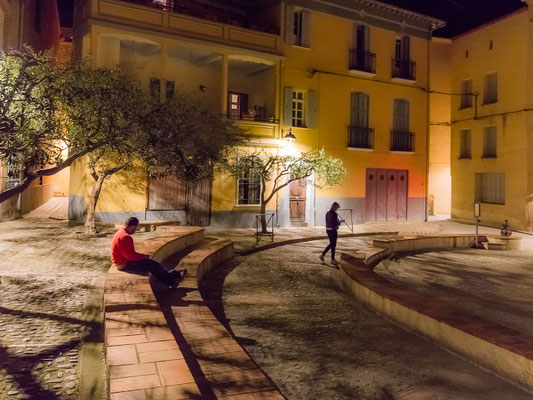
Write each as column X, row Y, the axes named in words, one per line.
column 428, row 128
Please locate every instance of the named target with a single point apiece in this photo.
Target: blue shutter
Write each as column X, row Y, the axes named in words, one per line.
column 306, row 29
column 289, row 24
column 311, row 109
column 287, row 107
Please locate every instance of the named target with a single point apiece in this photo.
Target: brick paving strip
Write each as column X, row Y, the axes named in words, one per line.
column 166, row 344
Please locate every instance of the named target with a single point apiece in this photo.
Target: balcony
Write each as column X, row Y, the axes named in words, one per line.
column 209, row 11
column 360, row 138
column 403, row 69
column 362, row 61
column 402, row 141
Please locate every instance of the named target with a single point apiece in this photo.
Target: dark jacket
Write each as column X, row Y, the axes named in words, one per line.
column 332, row 220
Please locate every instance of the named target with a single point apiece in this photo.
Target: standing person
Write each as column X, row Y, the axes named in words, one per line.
column 123, row 254
column 332, row 226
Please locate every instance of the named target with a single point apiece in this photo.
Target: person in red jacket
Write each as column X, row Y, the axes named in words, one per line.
column 123, row 254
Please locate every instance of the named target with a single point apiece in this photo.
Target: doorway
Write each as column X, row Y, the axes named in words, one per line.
column 297, row 202
column 386, row 194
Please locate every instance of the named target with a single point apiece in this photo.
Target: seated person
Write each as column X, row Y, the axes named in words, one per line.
column 123, row 254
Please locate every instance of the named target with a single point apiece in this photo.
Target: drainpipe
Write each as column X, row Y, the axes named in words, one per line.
column 428, row 110
column 21, row 21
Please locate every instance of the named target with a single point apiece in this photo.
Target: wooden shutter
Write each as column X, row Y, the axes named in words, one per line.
column 168, row 193
column 359, row 110
column 401, row 115
column 306, row 28
column 287, row 107
column 311, row 109
column 406, row 51
column 289, row 24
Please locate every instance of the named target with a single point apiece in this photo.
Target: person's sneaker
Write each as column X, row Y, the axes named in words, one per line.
column 321, row 256
column 335, row 262
column 179, row 278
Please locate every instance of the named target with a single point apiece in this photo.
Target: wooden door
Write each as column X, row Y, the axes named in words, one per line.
column 402, row 194
column 370, row 195
column 297, row 199
column 392, row 194
column 199, row 202
column 381, row 195
column 168, row 193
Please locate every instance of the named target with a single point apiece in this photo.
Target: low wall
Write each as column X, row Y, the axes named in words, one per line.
column 173, row 240
column 505, row 351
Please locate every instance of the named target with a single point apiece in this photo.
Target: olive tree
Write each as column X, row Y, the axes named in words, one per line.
column 280, row 170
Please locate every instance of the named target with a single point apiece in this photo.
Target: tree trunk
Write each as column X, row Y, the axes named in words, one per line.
column 263, row 218
column 90, row 225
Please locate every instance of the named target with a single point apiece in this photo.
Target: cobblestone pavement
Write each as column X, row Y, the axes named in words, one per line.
column 47, row 272
column 315, row 342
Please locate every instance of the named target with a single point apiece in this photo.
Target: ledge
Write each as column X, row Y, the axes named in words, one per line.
column 505, row 351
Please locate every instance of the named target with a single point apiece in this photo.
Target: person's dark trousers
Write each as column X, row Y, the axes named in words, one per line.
column 154, row 267
column 332, row 235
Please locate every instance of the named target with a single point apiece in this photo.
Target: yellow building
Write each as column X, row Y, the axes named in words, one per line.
column 34, row 23
column 492, row 121
column 353, row 79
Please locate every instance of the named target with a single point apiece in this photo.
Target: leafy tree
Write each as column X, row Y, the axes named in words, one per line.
column 281, row 170
column 47, row 108
column 181, row 137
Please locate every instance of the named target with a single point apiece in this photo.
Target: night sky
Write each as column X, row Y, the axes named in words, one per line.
column 461, row 15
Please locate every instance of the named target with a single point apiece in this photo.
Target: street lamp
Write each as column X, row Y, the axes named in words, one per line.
column 289, row 137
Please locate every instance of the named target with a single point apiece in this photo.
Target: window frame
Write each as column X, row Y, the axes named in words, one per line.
column 466, row 101
column 294, row 109
column 490, row 94
column 480, row 194
column 238, row 191
column 462, row 150
column 487, row 153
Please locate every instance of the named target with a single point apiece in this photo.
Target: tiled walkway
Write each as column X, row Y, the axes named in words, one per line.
column 166, row 344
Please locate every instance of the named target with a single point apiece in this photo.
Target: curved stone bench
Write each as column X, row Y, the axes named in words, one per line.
column 507, row 352
column 167, row 344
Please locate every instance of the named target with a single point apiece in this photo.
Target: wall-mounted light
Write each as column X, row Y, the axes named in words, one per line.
column 289, row 137
column 203, row 88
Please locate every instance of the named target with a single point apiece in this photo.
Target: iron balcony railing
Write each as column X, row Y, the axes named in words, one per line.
column 405, row 69
column 402, row 141
column 205, row 11
column 362, row 61
column 361, row 138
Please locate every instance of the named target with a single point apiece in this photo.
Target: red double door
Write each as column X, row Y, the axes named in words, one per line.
column 386, row 194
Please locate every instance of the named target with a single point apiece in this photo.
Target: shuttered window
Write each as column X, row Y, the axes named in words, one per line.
column 249, row 190
column 298, row 109
column 298, row 27
column 490, row 188
column 490, row 94
column 359, row 110
column 490, row 149
column 401, row 115
column 466, row 98
column 465, row 150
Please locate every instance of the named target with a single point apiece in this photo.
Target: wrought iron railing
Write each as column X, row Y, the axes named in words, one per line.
column 362, row 61
column 362, row 138
column 405, row 69
column 402, row 141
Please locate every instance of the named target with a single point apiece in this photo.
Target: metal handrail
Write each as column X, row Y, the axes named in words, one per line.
column 402, row 141
column 359, row 137
column 361, row 60
column 405, row 69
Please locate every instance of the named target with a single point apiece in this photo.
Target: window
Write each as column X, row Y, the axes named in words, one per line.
column 466, row 96
column 249, row 189
column 298, row 27
column 170, row 87
column 155, row 88
column 490, row 188
column 238, row 104
column 298, row 109
column 361, row 38
column 401, row 138
column 359, row 135
column 489, row 142
column 490, row 94
column 465, row 150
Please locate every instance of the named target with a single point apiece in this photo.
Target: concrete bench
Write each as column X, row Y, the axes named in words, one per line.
column 148, row 225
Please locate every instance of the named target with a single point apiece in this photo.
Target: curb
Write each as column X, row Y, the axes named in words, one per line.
column 93, row 379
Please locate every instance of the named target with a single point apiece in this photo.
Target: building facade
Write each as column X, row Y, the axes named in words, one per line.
column 352, row 79
column 492, row 122
column 33, row 23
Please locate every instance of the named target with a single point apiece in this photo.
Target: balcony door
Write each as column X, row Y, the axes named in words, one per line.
column 386, row 194
column 238, row 104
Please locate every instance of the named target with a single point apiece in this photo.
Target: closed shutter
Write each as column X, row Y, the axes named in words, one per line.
column 490, row 188
column 306, row 29
column 168, row 193
column 287, row 107
column 311, row 109
column 466, row 144
column 289, row 24
column 401, row 115
column 490, row 142
column 359, row 111
column 406, row 51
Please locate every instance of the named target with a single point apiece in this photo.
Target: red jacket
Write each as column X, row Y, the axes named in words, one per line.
column 123, row 250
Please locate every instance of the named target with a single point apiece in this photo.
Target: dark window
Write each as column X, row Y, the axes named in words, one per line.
column 249, row 190
column 37, row 16
column 155, row 88
column 170, row 87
